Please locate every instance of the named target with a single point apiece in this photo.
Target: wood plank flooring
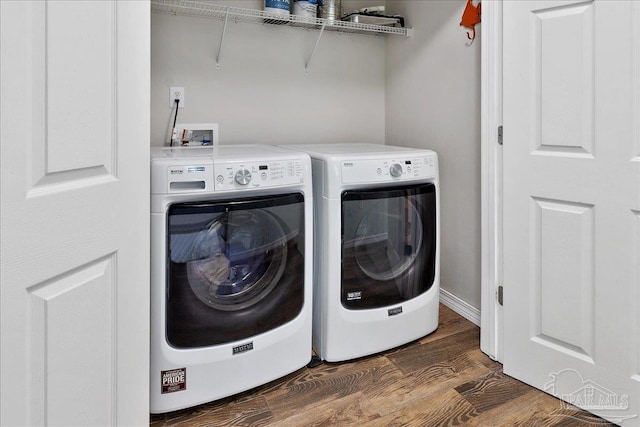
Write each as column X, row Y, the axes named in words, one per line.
column 441, row 380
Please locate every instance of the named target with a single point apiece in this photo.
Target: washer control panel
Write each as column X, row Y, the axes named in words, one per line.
column 388, row 170
column 243, row 177
column 188, row 178
column 250, row 175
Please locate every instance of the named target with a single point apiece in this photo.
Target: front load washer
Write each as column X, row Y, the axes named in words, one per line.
column 231, row 270
column 376, row 273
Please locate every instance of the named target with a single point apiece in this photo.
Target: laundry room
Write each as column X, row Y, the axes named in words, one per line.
column 421, row 91
column 285, row 85
column 320, row 212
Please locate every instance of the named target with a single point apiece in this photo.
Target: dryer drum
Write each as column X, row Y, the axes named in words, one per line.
column 377, row 254
column 388, row 245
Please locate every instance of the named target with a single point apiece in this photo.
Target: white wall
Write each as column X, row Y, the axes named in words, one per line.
column 433, row 101
column 261, row 93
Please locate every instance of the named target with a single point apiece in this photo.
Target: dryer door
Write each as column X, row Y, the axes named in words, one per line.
column 388, row 245
column 235, row 268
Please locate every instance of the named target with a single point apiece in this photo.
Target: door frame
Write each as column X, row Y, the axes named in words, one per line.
column 491, row 321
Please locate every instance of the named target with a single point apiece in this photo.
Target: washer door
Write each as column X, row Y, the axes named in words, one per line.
column 389, row 245
column 235, row 268
column 247, row 254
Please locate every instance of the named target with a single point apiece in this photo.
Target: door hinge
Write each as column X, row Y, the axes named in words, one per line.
column 500, row 134
column 500, row 295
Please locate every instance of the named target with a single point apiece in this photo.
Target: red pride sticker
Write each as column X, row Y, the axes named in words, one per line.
column 173, row 380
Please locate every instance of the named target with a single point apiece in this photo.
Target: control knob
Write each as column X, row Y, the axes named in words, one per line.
column 395, row 170
column 243, row 177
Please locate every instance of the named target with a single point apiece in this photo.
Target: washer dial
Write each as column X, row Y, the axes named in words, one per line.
column 243, row 177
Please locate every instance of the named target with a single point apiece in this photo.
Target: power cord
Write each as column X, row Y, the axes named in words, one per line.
column 174, row 122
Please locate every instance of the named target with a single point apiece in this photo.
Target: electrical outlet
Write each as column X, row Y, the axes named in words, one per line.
column 176, row 93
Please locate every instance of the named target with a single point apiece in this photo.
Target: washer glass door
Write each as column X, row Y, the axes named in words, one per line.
column 388, row 245
column 235, row 268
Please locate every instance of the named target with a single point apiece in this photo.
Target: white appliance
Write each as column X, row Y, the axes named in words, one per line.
column 231, row 270
column 376, row 272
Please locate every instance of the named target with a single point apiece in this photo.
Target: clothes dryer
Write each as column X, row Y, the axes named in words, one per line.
column 231, row 270
column 376, row 273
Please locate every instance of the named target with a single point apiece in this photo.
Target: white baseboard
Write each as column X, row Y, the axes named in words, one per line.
column 461, row 307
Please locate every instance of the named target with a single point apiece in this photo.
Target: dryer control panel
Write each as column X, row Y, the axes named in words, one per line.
column 388, row 169
column 252, row 175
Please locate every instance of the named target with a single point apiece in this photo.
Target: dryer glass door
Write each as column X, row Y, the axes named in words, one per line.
column 388, row 245
column 235, row 268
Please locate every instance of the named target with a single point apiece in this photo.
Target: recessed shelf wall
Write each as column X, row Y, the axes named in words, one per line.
column 238, row 14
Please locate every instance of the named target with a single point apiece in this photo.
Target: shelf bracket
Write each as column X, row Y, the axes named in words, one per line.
column 313, row 51
column 224, row 29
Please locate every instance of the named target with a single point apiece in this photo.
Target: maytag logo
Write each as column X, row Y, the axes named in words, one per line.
column 348, row 164
column 352, row 296
column 394, row 311
column 243, row 348
column 176, row 171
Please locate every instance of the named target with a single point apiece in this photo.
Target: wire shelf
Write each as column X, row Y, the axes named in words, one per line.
column 237, row 14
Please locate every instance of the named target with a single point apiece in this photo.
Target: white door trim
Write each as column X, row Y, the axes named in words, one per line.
column 491, row 179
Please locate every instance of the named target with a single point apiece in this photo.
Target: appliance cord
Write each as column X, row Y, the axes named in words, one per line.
column 174, row 122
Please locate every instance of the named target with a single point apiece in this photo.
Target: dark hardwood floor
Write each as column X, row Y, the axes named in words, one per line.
column 441, row 380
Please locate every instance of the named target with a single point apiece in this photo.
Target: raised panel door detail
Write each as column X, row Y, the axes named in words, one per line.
column 562, row 275
column 563, row 80
column 74, row 94
column 73, row 329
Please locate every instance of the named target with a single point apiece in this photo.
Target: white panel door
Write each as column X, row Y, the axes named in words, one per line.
column 572, row 201
column 74, row 290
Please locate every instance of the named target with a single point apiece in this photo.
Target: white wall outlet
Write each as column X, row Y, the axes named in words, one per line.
column 176, row 93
